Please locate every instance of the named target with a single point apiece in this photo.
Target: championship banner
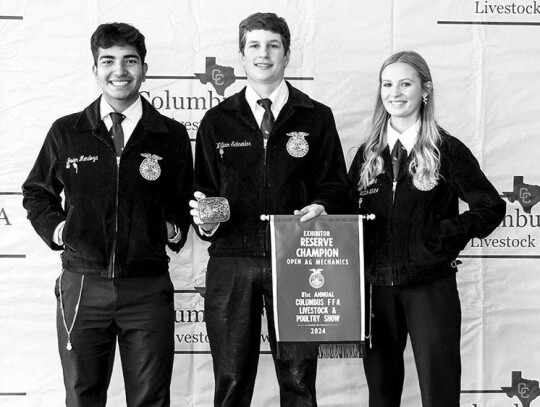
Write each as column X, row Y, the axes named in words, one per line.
column 318, row 284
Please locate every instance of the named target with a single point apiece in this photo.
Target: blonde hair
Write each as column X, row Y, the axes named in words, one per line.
column 425, row 157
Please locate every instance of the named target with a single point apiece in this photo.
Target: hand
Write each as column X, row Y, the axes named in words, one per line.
column 194, row 204
column 310, row 212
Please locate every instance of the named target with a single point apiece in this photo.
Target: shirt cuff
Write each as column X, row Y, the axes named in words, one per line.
column 177, row 234
column 57, row 235
column 209, row 233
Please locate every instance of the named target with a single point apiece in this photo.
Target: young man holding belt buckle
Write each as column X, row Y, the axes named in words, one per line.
column 269, row 149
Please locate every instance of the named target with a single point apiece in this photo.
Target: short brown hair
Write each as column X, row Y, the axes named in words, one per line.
column 265, row 21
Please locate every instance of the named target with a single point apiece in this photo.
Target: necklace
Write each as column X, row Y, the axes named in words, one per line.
column 68, row 331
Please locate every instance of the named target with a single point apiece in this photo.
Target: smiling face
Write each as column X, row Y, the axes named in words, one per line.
column 119, row 72
column 401, row 94
column 264, row 59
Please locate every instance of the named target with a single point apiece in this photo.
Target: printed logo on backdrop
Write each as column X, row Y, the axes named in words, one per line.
column 188, row 104
column 190, row 333
column 518, row 236
column 12, row 216
column 190, row 321
column 488, row 12
column 522, row 389
column 4, row 219
column 487, row 7
column 527, row 195
column 220, row 77
column 2, row 17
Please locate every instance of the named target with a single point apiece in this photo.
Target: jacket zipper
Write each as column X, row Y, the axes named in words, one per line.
column 115, row 238
column 265, row 143
column 394, row 186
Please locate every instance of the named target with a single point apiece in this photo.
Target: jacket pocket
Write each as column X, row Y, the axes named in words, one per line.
column 66, row 229
column 425, row 245
column 84, row 233
column 451, row 235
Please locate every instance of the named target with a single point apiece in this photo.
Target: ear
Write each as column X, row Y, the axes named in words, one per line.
column 428, row 87
column 287, row 57
column 242, row 58
column 145, row 70
column 95, row 72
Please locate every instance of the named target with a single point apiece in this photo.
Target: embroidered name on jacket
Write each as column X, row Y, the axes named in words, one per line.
column 369, row 191
column 221, row 146
column 74, row 162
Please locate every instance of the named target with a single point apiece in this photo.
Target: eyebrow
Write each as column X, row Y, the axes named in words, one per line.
column 271, row 41
column 399, row 80
column 123, row 57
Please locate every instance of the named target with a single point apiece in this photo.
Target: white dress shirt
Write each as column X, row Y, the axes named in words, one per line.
column 278, row 98
column 408, row 137
column 132, row 116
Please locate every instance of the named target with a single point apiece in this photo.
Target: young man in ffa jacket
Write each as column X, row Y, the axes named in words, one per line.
column 268, row 149
column 126, row 174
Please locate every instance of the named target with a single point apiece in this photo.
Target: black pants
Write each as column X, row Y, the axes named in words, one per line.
column 431, row 314
column 237, row 288
column 140, row 313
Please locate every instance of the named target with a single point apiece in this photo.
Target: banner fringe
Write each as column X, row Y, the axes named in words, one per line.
column 294, row 351
column 341, row 350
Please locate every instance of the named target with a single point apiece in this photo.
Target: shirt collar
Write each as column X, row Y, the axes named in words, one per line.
column 132, row 113
column 278, row 97
column 408, row 137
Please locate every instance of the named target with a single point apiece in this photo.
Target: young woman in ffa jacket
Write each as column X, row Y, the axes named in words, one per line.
column 409, row 172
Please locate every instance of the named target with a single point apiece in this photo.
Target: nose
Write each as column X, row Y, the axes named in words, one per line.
column 119, row 68
column 395, row 91
column 264, row 52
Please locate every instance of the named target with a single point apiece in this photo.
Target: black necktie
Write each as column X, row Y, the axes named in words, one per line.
column 268, row 118
column 398, row 155
column 117, row 133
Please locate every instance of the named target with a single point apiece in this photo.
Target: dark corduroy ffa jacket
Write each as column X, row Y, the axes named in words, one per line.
column 115, row 217
column 231, row 162
column 417, row 235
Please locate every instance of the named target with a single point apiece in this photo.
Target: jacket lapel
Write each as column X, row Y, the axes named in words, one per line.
column 297, row 100
column 238, row 106
column 151, row 124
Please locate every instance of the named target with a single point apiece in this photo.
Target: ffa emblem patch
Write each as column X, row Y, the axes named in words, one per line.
column 424, row 186
column 150, row 168
column 297, row 146
column 316, row 279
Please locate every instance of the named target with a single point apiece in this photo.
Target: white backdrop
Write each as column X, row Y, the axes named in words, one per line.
column 485, row 59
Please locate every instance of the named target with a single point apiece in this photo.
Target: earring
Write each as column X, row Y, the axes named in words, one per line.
column 425, row 98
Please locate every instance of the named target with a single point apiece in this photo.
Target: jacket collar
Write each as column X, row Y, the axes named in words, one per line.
column 238, row 105
column 90, row 118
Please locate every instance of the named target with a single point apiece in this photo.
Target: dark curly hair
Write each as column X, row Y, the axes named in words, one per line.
column 109, row 35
